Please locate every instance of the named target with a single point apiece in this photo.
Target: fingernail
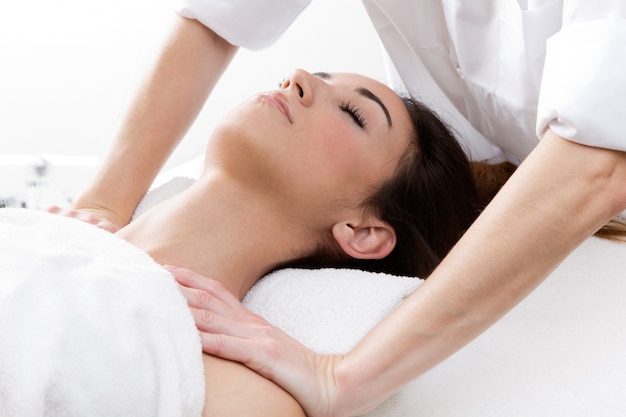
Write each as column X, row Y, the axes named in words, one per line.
column 171, row 268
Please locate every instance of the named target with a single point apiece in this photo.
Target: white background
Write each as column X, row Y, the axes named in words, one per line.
column 69, row 68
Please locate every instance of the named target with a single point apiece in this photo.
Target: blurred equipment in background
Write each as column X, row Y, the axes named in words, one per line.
column 39, row 181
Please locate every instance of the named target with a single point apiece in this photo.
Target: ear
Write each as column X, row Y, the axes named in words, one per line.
column 373, row 239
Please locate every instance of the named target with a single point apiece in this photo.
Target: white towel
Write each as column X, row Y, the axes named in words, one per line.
column 328, row 310
column 90, row 325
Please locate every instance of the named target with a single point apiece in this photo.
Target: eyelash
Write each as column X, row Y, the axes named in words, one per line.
column 354, row 112
column 346, row 106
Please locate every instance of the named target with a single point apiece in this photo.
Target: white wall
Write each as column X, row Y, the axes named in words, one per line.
column 68, row 69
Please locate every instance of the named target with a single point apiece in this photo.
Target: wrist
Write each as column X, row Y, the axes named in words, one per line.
column 355, row 393
column 87, row 203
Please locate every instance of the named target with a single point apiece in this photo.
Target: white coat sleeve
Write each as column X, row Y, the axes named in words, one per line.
column 583, row 89
column 250, row 24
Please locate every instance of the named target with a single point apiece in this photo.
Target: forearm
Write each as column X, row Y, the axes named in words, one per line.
column 560, row 196
column 187, row 69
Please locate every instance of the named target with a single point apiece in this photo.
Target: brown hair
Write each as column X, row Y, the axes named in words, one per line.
column 433, row 197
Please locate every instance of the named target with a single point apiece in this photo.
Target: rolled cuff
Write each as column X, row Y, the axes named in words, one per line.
column 249, row 24
column 583, row 92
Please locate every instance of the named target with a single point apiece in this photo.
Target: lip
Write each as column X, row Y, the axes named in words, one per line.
column 279, row 102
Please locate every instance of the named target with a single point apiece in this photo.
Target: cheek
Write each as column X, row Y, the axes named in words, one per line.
column 339, row 147
column 343, row 156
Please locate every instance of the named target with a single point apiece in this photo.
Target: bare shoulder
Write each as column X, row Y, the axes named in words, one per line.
column 234, row 390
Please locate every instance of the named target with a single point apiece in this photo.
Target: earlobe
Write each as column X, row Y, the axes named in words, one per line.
column 374, row 240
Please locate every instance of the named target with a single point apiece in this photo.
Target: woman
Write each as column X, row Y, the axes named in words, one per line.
column 290, row 180
column 330, row 169
column 505, row 71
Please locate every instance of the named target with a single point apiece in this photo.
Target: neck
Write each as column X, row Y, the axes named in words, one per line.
column 220, row 230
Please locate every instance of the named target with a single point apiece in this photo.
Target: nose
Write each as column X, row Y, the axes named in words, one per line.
column 305, row 84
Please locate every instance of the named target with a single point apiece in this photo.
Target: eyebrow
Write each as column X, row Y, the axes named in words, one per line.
column 365, row 93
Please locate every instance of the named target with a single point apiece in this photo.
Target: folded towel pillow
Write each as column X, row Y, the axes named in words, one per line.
column 328, row 310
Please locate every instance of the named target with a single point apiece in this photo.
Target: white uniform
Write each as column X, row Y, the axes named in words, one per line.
column 500, row 73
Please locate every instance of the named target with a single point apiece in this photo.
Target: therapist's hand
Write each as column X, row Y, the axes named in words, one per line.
column 230, row 331
column 98, row 218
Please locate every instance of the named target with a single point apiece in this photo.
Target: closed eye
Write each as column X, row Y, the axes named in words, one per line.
column 354, row 112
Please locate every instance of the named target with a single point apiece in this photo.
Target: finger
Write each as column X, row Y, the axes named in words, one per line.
column 92, row 219
column 249, row 326
column 189, row 278
column 216, row 289
column 229, row 347
column 54, row 209
column 107, row 225
column 62, row 211
column 202, row 300
column 278, row 360
column 85, row 217
column 214, row 323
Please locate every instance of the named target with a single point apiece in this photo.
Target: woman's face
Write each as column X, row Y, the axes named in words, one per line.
column 321, row 141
